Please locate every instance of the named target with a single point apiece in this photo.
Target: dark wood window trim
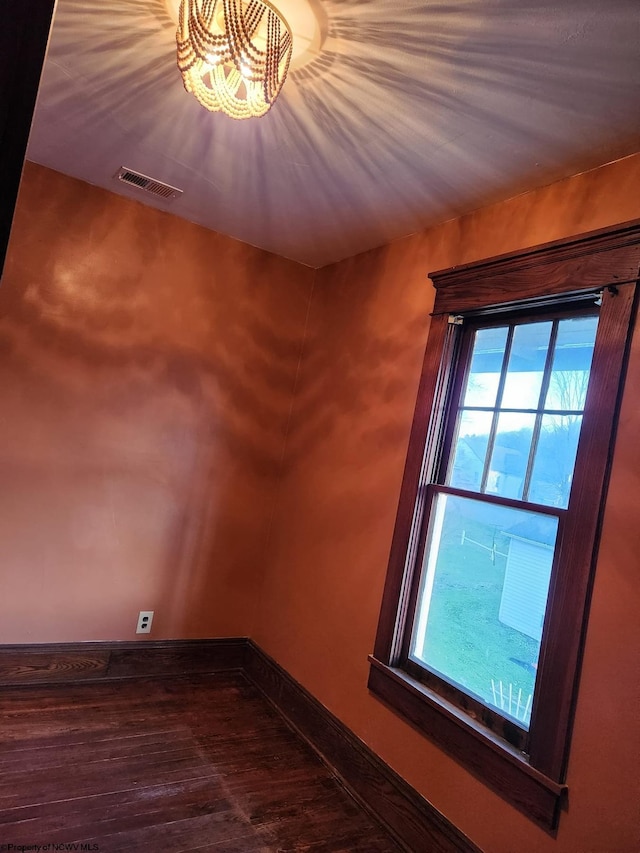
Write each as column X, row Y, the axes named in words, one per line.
column 604, row 261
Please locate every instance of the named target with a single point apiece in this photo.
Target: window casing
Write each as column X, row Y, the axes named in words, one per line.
column 522, row 755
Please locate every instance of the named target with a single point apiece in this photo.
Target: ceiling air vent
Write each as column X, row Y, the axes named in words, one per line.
column 149, row 185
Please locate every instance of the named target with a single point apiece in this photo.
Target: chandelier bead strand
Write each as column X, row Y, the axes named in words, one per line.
column 233, row 55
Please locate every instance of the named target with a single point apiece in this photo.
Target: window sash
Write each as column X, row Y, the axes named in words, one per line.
column 500, row 724
column 467, row 330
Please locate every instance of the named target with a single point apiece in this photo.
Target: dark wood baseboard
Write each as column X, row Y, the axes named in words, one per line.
column 58, row 663
column 409, row 818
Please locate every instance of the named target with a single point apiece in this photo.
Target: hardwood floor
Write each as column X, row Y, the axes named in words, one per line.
column 167, row 765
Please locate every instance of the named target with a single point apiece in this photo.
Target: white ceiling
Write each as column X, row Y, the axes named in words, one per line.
column 412, row 112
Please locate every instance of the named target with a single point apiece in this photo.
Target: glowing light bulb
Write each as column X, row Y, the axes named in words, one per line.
column 240, row 71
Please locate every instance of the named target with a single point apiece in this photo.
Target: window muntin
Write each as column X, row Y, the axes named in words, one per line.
column 489, row 542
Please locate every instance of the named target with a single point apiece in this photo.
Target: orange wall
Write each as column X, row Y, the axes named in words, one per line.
column 368, row 326
column 146, row 373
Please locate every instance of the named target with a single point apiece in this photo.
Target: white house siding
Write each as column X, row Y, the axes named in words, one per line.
column 526, row 584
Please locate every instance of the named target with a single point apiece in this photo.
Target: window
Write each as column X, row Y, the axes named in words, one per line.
column 484, row 610
column 495, row 511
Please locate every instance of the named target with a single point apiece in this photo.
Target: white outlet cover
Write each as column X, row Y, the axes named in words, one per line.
column 145, row 620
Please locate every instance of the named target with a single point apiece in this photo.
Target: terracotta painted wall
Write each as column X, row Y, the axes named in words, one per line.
column 345, row 453
column 146, row 373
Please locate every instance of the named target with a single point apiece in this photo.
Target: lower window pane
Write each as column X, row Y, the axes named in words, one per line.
column 483, row 598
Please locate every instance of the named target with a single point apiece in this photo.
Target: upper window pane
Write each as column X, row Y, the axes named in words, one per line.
column 510, row 457
column 571, row 364
column 526, row 366
column 555, row 460
column 470, row 450
column 486, row 367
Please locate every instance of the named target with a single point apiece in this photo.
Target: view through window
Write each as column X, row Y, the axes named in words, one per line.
column 495, row 516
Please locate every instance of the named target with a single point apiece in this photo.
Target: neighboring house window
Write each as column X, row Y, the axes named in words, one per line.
column 484, row 609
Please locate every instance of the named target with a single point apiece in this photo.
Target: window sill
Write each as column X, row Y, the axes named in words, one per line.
column 490, row 759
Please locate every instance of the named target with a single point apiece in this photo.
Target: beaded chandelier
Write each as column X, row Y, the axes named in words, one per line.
column 233, row 55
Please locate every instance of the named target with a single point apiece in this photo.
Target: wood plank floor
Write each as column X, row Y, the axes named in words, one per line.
column 196, row 763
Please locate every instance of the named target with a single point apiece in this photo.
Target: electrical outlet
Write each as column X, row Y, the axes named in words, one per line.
column 145, row 618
